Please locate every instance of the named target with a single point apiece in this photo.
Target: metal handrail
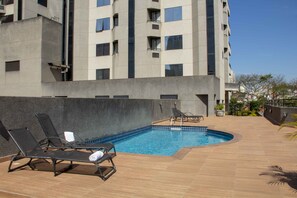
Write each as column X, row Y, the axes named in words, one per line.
column 283, row 102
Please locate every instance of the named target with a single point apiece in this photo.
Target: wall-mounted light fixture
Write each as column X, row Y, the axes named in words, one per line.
column 63, row 68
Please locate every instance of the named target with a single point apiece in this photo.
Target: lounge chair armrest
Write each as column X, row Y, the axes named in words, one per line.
column 58, row 138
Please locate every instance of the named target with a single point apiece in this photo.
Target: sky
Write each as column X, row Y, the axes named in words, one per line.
column 264, row 37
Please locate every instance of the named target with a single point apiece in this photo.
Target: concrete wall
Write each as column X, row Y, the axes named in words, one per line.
column 279, row 115
column 34, row 42
column 31, row 9
column 187, row 89
column 89, row 118
column 53, row 10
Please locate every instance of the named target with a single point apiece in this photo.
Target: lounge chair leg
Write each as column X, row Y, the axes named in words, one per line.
column 110, row 173
column 56, row 173
column 54, row 166
column 115, row 152
column 18, row 157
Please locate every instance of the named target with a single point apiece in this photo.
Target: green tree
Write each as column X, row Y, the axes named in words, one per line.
column 255, row 84
column 293, row 88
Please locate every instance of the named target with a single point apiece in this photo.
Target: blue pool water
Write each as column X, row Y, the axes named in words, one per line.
column 165, row 141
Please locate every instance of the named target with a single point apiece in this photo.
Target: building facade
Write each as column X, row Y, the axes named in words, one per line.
column 131, row 39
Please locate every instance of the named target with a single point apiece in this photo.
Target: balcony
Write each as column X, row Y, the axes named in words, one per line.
column 153, row 28
column 226, row 7
column 227, row 52
column 226, row 40
column 225, row 18
column 154, row 47
column 153, row 4
column 227, row 29
column 116, row 6
column 116, row 33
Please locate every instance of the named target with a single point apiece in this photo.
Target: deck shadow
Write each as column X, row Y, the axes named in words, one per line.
column 281, row 177
column 81, row 169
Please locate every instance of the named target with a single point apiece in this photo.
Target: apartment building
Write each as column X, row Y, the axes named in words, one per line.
column 130, row 39
column 150, row 38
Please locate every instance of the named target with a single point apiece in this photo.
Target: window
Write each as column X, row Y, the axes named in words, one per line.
column 102, row 74
column 115, row 20
column 102, row 97
column 173, row 14
column 102, row 49
column 12, row 66
column 210, row 37
column 174, row 70
column 121, row 97
column 115, row 47
column 154, row 43
column 169, row 97
column 42, row 2
column 103, row 3
column 173, row 42
column 102, row 24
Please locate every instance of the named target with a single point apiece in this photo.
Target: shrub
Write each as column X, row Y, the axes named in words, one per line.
column 255, row 105
column 245, row 112
column 219, row 107
column 292, row 135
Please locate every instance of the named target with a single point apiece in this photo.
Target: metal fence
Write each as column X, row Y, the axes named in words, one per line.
column 283, row 102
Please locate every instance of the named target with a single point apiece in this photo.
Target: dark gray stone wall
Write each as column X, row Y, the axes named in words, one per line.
column 89, row 118
column 279, row 115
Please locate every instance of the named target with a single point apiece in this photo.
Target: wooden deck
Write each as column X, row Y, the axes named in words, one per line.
column 229, row 170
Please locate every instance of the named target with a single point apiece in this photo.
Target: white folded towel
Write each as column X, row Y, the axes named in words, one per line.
column 69, row 136
column 96, row 156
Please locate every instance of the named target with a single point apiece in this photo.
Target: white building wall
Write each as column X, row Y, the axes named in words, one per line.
column 99, row 62
column 145, row 64
column 81, row 40
column 120, row 33
column 201, row 68
column 53, row 10
column 183, row 27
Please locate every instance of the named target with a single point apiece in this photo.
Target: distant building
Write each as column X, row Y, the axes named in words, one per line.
column 117, row 39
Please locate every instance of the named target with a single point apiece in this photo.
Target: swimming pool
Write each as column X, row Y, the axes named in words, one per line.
column 165, row 141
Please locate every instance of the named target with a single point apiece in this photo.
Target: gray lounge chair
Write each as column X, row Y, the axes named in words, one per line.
column 177, row 114
column 53, row 139
column 30, row 148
